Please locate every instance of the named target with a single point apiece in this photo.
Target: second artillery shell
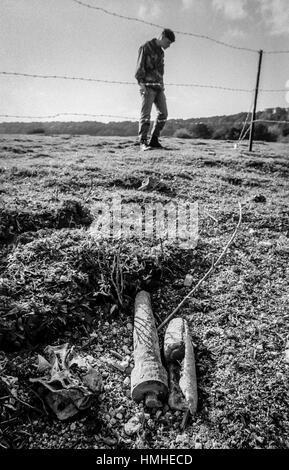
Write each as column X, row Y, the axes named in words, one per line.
column 178, row 348
column 149, row 380
column 174, row 344
column 176, row 400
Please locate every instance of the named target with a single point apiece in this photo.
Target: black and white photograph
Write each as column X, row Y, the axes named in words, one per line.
column 144, row 229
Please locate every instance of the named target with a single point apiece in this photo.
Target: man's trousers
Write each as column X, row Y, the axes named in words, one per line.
column 150, row 97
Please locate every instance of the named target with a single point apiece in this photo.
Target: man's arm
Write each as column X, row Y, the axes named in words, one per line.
column 140, row 68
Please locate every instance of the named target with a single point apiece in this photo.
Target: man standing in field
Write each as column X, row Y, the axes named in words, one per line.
column 149, row 74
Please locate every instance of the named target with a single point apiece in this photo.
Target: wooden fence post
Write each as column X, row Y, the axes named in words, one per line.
column 255, row 101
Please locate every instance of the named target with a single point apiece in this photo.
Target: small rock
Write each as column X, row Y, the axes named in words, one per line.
column 115, row 364
column 120, row 409
column 150, row 423
column 182, row 438
column 124, row 364
column 113, row 309
column 158, row 414
column 129, row 326
column 287, row 356
column 188, row 280
column 111, row 411
column 132, row 426
column 119, row 416
column 126, row 382
column 126, row 349
column 113, row 421
column 149, row 184
column 198, row 445
column 73, row 427
column 266, row 243
column 109, row 441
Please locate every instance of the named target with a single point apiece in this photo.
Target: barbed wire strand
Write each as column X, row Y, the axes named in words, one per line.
column 65, row 77
column 118, row 82
column 52, row 116
column 131, row 18
column 241, row 134
column 260, row 120
column 243, row 137
column 277, row 52
column 196, row 35
column 247, row 117
column 278, row 90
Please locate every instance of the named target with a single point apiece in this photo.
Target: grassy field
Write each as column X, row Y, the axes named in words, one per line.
column 58, row 284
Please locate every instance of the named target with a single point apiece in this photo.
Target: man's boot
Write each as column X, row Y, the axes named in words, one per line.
column 144, row 145
column 154, row 143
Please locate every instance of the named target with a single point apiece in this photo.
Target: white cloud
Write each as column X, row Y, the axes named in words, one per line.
column 187, row 4
column 232, row 9
column 149, row 9
column 276, row 15
column 235, row 33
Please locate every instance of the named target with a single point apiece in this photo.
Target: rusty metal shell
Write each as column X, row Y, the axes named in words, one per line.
column 174, row 344
column 149, row 379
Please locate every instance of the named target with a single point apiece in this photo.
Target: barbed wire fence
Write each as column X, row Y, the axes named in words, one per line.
column 118, row 82
column 252, row 108
column 195, row 35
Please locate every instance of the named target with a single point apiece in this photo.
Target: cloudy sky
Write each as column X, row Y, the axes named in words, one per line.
column 61, row 37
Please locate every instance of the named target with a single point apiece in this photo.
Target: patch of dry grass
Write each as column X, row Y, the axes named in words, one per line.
column 58, row 282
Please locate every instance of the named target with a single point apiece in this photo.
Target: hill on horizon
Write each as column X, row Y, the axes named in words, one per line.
column 214, row 127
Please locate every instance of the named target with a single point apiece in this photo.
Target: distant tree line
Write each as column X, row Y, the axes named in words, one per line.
column 215, row 127
column 230, row 127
